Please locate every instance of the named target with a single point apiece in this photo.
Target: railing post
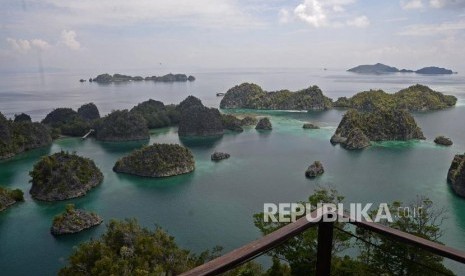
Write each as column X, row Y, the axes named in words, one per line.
column 324, row 247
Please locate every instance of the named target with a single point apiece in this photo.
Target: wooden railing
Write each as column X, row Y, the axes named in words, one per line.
column 325, row 237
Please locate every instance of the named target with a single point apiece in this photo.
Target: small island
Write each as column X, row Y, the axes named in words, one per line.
column 379, row 125
column 9, row 197
column 249, row 121
column 252, row 96
column 122, row 125
column 198, row 120
column 21, row 135
column 380, row 68
column 115, row 78
column 414, row 98
column 314, row 170
column 444, row 141
column 218, row 156
column 264, row 124
column 73, row 221
column 310, row 126
column 62, row 176
column 157, row 160
column 456, row 175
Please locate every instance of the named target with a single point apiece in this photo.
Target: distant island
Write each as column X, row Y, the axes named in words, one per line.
column 414, row 98
column 107, row 78
column 380, row 68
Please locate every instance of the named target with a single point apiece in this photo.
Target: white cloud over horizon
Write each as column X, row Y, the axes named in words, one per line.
column 24, row 45
column 411, row 4
column 328, row 13
column 68, row 38
column 229, row 33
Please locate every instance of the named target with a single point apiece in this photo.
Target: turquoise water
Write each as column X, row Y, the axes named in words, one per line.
column 214, row 204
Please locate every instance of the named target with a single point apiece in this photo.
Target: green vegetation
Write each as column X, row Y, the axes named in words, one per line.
column 264, row 124
column 396, row 258
column 414, row 98
column 249, row 121
column 157, row 160
column 122, row 125
column 23, row 117
column 66, row 121
column 249, row 95
column 17, row 137
column 387, row 257
column 198, row 120
column 74, row 220
column 379, row 125
column 89, row 112
column 62, row 176
column 157, row 114
column 129, row 249
column 9, row 197
column 232, row 123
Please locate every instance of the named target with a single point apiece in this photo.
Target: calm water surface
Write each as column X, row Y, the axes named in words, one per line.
column 214, row 204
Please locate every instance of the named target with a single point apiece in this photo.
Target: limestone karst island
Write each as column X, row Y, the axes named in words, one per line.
column 232, row 137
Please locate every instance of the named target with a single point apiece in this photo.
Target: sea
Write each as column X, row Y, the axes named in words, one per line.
column 215, row 204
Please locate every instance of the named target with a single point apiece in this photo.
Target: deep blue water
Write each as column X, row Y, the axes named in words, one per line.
column 214, row 205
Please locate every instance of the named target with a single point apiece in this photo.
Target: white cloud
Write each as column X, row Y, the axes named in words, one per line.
column 312, row 12
column 19, row 45
column 40, row 44
column 24, row 45
column 325, row 13
column 433, row 29
column 205, row 13
column 284, row 16
column 438, row 4
column 411, row 4
column 68, row 38
column 359, row 22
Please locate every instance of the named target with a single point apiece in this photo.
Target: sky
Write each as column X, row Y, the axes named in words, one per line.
column 111, row 35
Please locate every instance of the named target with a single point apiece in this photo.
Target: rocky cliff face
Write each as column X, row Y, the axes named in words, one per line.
column 63, row 176
column 122, row 125
column 17, row 137
column 381, row 125
column 314, row 170
column 157, row 160
column 456, row 175
column 356, row 139
column 9, row 197
column 198, row 120
column 74, row 221
column 264, row 124
column 252, row 96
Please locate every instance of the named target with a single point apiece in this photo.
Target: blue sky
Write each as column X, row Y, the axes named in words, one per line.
column 112, row 35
